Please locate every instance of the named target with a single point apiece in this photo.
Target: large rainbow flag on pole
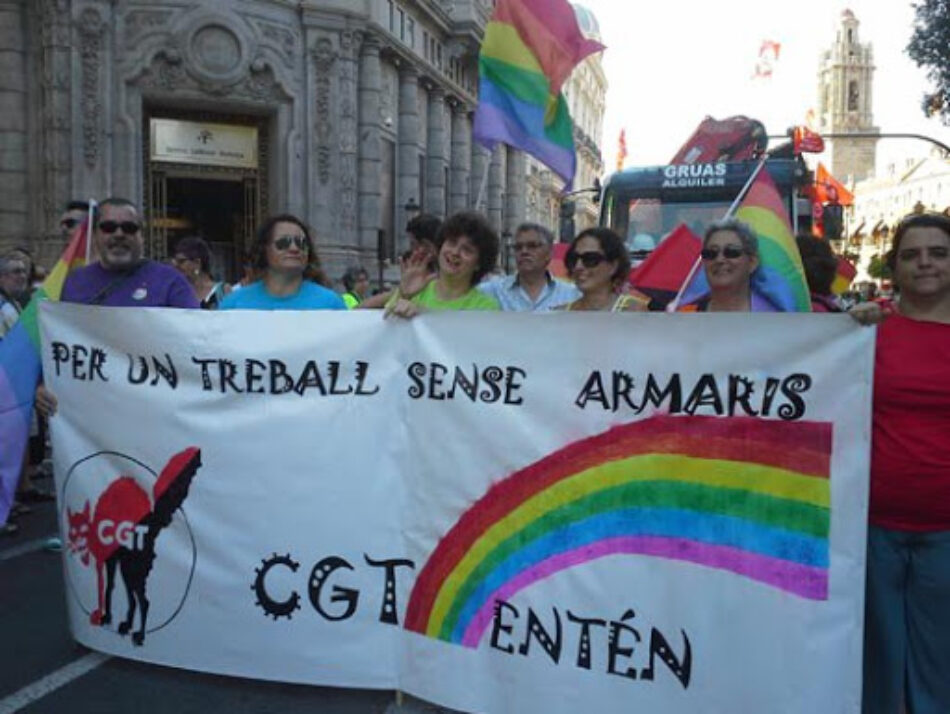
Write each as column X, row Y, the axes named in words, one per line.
column 780, row 278
column 529, row 50
column 21, row 367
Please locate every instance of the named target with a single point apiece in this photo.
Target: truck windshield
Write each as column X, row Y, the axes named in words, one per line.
column 649, row 221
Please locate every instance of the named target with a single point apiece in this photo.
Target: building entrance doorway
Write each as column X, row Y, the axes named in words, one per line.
column 205, row 179
column 213, row 210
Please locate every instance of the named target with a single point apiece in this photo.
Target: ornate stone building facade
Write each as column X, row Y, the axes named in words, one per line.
column 845, row 79
column 914, row 183
column 585, row 93
column 352, row 114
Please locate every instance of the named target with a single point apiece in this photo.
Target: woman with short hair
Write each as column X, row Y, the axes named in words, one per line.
column 730, row 257
column 291, row 276
column 467, row 252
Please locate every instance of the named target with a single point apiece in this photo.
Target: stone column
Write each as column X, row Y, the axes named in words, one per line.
column 515, row 183
column 436, row 160
column 461, row 159
column 496, row 188
column 407, row 172
column 371, row 81
column 13, row 122
column 480, row 160
column 347, row 83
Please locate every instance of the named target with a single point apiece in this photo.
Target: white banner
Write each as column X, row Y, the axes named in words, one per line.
column 495, row 512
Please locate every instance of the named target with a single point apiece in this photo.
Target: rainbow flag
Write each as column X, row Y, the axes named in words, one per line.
column 21, row 368
column 780, row 278
column 529, row 50
column 781, row 275
column 746, row 496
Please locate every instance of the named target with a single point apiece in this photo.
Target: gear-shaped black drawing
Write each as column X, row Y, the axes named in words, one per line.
column 266, row 602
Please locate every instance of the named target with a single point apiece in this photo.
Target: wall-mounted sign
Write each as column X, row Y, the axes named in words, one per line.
column 189, row 142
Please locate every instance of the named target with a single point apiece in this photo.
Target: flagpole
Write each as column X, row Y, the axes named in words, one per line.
column 89, row 218
column 674, row 304
column 482, row 186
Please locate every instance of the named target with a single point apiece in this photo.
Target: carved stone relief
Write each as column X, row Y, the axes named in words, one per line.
column 347, row 83
column 324, row 56
column 91, row 31
column 281, row 39
column 141, row 23
column 216, row 49
column 167, row 74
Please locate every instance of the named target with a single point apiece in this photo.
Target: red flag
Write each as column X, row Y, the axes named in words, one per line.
column 768, row 56
column 556, row 266
column 807, row 141
column 661, row 275
column 622, row 149
column 828, row 189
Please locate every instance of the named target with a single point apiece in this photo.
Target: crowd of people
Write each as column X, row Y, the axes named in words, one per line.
column 450, row 266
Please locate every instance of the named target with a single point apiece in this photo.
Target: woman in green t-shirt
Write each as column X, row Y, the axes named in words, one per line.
column 468, row 249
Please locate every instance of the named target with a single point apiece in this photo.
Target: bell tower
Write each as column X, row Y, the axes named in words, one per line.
column 845, row 78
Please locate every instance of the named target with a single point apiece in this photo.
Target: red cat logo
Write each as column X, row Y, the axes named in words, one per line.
column 125, row 510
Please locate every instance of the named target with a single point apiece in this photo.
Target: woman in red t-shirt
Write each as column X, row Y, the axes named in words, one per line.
column 907, row 619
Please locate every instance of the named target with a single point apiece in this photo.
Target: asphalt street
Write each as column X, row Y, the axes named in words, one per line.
column 44, row 671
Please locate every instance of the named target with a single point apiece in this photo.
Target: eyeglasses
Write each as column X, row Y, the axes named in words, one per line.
column 69, row 223
column 180, row 259
column 527, row 245
column 284, row 242
column 589, row 260
column 130, row 228
column 14, row 271
column 729, row 252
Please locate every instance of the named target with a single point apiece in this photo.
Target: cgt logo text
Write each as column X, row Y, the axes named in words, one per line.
column 125, row 509
column 694, row 175
column 125, row 534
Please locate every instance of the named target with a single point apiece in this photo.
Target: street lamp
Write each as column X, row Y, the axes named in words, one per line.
column 411, row 208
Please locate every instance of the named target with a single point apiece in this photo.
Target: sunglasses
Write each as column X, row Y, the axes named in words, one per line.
column 69, row 223
column 729, row 252
column 130, row 228
column 589, row 260
column 527, row 245
column 284, row 242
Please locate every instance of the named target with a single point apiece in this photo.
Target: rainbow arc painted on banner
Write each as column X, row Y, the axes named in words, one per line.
column 744, row 496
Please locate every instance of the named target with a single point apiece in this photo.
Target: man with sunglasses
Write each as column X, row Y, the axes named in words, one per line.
column 121, row 277
column 532, row 288
column 73, row 216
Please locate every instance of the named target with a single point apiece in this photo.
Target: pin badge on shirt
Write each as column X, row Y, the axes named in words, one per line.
column 140, row 293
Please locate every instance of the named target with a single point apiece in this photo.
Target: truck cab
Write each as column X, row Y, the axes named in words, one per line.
column 643, row 205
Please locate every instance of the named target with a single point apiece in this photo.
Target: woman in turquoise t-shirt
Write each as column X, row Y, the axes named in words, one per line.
column 285, row 254
column 468, row 249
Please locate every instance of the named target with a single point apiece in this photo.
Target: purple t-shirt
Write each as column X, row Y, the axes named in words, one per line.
column 151, row 285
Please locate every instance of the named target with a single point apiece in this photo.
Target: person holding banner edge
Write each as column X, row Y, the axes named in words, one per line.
column 468, row 249
column 730, row 257
column 599, row 264
column 907, row 618
column 121, row 277
column 285, row 254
